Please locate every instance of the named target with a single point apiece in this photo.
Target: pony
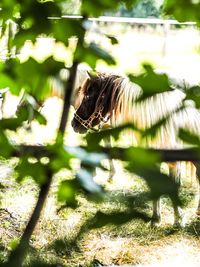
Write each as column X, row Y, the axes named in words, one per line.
column 109, row 98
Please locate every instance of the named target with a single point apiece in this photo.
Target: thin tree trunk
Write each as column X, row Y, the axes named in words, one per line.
column 17, row 255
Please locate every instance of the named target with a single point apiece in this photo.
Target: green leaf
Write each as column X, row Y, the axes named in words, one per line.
column 93, row 139
column 151, row 82
column 9, row 79
column 86, row 181
column 61, row 157
column 130, row 3
column 189, row 137
column 28, row 110
column 113, row 39
column 63, row 29
column 177, row 9
column 28, row 167
column 6, row 149
column 90, row 54
column 146, row 166
column 13, row 243
column 37, row 85
column 161, row 184
column 99, row 7
column 32, row 24
column 6, row 9
column 141, row 157
column 10, row 124
column 7, row 82
column 67, row 192
column 87, row 158
column 193, row 93
column 40, row 118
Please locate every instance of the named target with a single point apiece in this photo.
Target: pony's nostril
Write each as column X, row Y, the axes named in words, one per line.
column 78, row 128
column 73, row 124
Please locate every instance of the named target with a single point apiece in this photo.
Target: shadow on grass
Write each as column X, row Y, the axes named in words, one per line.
column 122, row 216
column 193, row 228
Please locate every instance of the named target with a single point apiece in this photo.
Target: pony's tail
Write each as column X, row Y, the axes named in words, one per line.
column 190, row 171
column 187, row 171
column 183, row 171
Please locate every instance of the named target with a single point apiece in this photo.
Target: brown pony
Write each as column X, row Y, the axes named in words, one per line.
column 111, row 98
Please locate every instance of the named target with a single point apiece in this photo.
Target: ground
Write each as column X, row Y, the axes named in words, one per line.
column 63, row 236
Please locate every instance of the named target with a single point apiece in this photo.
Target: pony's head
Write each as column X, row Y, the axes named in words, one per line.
column 97, row 96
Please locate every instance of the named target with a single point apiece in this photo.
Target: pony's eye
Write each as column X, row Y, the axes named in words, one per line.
column 87, row 97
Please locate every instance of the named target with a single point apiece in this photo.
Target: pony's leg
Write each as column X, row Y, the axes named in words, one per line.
column 2, row 100
column 197, row 165
column 198, row 207
column 156, row 218
column 111, row 164
column 175, row 173
column 111, row 170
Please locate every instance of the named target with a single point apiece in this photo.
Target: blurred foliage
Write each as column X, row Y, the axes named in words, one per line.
column 183, row 10
column 151, row 83
column 101, row 6
column 71, row 7
column 142, row 9
column 31, row 19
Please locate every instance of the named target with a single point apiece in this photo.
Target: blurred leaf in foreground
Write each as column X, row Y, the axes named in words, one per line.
column 189, row 137
column 151, row 82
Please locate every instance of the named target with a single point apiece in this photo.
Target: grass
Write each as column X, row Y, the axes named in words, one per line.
column 65, row 237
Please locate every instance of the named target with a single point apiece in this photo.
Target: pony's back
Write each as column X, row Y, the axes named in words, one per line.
column 148, row 112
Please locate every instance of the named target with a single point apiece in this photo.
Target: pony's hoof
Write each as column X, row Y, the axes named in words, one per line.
column 155, row 222
column 198, row 212
column 179, row 224
column 110, row 179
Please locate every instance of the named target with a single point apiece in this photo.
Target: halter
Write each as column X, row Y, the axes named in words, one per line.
column 97, row 114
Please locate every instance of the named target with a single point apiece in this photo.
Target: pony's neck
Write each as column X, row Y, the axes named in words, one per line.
column 111, row 87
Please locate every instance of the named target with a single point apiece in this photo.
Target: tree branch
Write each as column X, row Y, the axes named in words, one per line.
column 165, row 155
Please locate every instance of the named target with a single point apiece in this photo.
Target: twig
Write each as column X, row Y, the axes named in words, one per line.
column 165, row 155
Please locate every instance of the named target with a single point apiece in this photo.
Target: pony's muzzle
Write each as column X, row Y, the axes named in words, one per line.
column 78, row 128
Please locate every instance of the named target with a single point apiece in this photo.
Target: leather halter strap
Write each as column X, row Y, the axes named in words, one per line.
column 97, row 114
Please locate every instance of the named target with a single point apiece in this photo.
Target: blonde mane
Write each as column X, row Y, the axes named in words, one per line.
column 148, row 112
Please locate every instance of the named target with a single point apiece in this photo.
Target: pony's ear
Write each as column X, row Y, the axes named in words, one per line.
column 91, row 74
column 85, row 84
